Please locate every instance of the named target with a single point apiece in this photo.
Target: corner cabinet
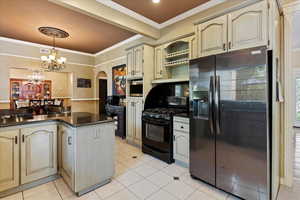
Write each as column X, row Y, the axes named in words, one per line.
column 181, row 140
column 9, row 159
column 38, row 152
column 240, row 29
column 134, row 111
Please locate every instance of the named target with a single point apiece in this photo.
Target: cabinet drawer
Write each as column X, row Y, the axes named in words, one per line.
column 179, row 126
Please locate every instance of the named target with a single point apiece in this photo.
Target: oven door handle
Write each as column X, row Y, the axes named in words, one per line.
column 156, row 122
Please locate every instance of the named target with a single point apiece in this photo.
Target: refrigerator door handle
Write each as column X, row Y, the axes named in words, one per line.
column 217, row 106
column 210, row 106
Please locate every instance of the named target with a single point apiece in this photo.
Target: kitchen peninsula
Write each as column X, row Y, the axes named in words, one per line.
column 77, row 146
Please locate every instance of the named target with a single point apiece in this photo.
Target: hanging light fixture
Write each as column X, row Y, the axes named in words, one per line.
column 53, row 63
column 36, row 77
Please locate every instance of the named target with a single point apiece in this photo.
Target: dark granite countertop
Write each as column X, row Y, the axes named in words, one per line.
column 75, row 119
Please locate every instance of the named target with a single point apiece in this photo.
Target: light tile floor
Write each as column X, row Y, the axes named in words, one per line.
column 143, row 177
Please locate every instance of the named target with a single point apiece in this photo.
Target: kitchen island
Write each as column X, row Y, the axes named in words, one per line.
column 37, row 149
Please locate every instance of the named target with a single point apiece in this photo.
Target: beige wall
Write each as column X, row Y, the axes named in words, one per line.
column 14, row 55
column 61, row 86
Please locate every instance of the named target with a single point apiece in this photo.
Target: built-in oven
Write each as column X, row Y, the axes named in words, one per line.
column 157, row 138
column 136, row 88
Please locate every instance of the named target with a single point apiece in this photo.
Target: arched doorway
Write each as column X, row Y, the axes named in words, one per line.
column 102, row 87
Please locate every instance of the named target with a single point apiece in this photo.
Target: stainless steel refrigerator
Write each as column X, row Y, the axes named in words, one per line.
column 229, row 145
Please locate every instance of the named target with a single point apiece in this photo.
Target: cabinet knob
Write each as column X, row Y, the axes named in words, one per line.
column 182, row 127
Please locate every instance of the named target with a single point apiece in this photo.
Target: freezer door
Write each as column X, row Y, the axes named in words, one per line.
column 241, row 123
column 202, row 137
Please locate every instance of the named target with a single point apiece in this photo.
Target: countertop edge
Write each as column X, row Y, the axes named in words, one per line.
column 57, row 121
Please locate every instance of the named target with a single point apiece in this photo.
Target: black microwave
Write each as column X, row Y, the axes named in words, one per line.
column 136, row 88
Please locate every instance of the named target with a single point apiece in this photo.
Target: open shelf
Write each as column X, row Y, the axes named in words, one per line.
column 184, row 61
column 178, row 53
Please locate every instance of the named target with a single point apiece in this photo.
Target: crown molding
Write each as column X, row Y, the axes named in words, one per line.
column 36, row 58
column 43, row 46
column 154, row 24
column 133, row 38
column 108, row 61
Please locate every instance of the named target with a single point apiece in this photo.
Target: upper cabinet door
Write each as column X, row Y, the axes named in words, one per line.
column 193, row 48
column 247, row 27
column 138, row 61
column 159, row 59
column 38, row 153
column 129, row 63
column 212, row 36
column 9, row 159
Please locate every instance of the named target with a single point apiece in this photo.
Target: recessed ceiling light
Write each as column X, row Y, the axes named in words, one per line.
column 155, row 1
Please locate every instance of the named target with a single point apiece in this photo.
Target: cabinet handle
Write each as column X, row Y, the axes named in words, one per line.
column 23, row 138
column 224, row 47
column 16, row 139
column 69, row 140
column 160, row 72
column 174, row 138
column 229, row 45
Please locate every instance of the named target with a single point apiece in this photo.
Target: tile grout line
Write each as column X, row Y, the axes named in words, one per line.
column 57, row 190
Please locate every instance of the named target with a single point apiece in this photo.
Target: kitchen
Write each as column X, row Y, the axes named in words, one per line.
column 191, row 91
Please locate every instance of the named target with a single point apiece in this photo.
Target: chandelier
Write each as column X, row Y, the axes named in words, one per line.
column 52, row 62
column 36, row 77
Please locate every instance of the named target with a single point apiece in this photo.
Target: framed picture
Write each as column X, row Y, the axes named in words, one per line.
column 84, row 83
column 119, row 80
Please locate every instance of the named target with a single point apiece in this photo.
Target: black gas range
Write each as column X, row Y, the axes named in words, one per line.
column 157, row 119
column 162, row 113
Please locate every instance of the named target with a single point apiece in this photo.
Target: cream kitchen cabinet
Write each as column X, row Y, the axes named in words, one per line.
column 66, row 135
column 181, row 140
column 159, row 62
column 247, row 27
column 9, row 159
column 87, row 155
column 138, row 61
column 94, row 156
column 38, row 152
column 243, row 28
column 138, row 58
column 193, row 48
column 134, row 111
column 212, row 36
column 129, row 63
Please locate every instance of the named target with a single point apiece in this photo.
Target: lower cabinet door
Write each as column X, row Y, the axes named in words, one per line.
column 9, row 159
column 67, row 154
column 181, row 146
column 38, row 152
column 138, row 120
column 130, row 126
